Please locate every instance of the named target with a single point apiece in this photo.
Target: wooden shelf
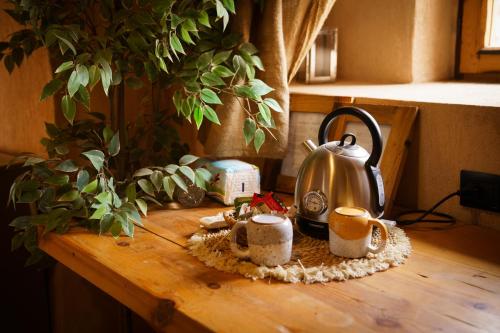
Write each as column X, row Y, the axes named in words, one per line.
column 446, row 92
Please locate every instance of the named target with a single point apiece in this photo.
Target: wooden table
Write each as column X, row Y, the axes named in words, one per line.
column 451, row 282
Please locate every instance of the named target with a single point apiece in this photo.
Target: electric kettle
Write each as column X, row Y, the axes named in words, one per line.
column 339, row 173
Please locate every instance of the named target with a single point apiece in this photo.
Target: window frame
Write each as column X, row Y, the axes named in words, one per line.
column 475, row 57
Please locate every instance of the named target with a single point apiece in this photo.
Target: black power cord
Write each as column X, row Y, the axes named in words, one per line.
column 444, row 218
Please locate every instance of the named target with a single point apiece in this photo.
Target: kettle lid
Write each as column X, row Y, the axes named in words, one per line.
column 347, row 149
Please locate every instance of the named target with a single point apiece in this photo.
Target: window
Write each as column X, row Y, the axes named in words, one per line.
column 492, row 35
column 480, row 38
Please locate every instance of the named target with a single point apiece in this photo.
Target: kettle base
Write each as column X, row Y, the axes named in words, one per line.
column 312, row 228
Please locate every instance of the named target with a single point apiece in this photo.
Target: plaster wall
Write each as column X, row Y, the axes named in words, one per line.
column 434, row 39
column 447, row 139
column 395, row 41
column 22, row 114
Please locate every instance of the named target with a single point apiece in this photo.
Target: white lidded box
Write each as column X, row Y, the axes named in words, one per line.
column 232, row 179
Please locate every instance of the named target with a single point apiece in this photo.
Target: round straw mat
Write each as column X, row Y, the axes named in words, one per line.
column 311, row 258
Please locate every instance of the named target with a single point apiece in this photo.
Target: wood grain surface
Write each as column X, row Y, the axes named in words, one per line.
column 450, row 283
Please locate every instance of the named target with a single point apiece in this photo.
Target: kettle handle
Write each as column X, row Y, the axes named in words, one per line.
column 366, row 118
column 371, row 165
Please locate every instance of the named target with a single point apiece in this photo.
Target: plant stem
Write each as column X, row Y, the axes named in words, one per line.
column 122, row 127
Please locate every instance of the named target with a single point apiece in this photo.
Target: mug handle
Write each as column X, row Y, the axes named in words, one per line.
column 383, row 234
column 234, row 238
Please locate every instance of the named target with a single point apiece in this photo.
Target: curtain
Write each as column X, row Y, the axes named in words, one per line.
column 283, row 31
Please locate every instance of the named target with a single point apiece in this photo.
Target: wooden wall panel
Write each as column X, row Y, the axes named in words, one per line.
column 22, row 115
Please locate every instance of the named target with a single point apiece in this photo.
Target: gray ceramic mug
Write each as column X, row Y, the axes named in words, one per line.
column 269, row 239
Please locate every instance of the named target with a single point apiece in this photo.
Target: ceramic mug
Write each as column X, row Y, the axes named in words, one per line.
column 350, row 230
column 269, row 239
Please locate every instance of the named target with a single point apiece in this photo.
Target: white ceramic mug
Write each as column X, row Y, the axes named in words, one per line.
column 269, row 238
column 350, row 230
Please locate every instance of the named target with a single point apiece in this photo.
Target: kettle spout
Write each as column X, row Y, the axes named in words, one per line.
column 310, row 146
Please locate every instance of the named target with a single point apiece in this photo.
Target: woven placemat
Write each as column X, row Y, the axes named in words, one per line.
column 311, row 258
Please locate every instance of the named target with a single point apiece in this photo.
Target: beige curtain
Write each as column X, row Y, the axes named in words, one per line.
column 283, row 31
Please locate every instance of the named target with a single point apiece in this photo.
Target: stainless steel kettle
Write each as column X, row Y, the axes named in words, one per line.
column 339, row 173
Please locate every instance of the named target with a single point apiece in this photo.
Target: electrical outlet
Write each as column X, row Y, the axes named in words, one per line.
column 480, row 190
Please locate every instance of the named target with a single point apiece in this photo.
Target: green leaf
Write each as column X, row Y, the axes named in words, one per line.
column 96, row 157
column 250, row 72
column 65, row 66
column 83, row 97
column 142, row 172
column 271, row 102
column 203, row 19
column 62, row 149
column 175, row 44
column 209, row 96
column 211, row 79
column 229, row 4
column 169, row 186
column 82, row 74
column 239, row 65
column 204, row 173
column 156, row 178
column 188, row 172
column 67, row 166
column 143, row 206
column 104, row 198
column 204, row 60
column 260, row 137
column 17, row 241
column 198, row 116
column 68, row 106
column 185, row 36
column 220, row 57
column 199, row 181
column 248, row 48
column 114, row 145
column 222, row 71
column 171, row 168
column 222, row 13
column 107, row 134
column 259, row 87
column 21, row 222
column 210, row 114
column 67, row 43
column 29, row 197
column 82, row 179
column 99, row 212
column 116, row 228
column 265, row 112
column 186, row 160
column 94, row 76
column 57, row 180
column 245, row 91
column 90, row 187
column 131, row 192
column 134, row 82
column 249, row 128
column 179, row 181
column 105, row 223
column 51, row 88
column 33, row 160
column 106, row 75
column 257, row 62
column 73, row 83
column 146, row 186
column 69, row 196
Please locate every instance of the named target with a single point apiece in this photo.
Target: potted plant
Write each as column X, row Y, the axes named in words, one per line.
column 179, row 46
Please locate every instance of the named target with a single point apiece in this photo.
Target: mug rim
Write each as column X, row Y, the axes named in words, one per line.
column 283, row 217
column 365, row 211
